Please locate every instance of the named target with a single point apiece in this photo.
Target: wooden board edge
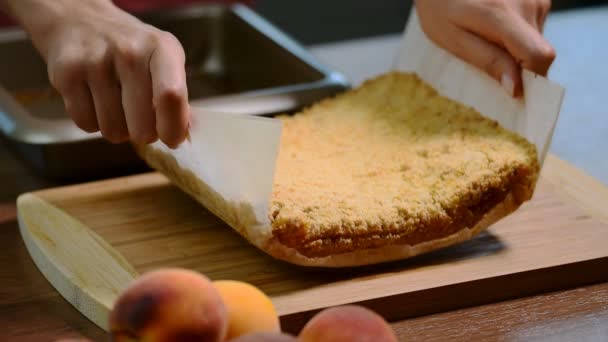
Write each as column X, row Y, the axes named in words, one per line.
column 121, row 183
column 407, row 305
column 579, row 188
column 67, row 264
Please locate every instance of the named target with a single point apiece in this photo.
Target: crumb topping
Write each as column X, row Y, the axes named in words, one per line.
column 391, row 155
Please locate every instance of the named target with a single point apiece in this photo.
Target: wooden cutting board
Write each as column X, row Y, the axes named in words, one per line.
column 91, row 240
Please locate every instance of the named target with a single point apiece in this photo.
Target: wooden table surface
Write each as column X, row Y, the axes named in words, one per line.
column 31, row 310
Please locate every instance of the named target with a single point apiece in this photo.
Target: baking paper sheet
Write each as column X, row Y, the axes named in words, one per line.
column 233, row 154
column 533, row 117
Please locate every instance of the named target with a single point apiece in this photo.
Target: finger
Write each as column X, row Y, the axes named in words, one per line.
column 487, row 56
column 107, row 100
column 544, row 9
column 507, row 28
column 78, row 104
column 528, row 46
column 528, row 10
column 170, row 94
column 67, row 75
column 136, row 92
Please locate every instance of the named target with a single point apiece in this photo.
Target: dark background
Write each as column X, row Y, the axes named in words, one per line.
column 322, row 21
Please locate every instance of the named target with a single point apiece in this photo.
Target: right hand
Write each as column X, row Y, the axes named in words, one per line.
column 498, row 36
column 116, row 74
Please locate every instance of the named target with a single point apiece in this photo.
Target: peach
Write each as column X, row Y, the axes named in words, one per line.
column 169, row 305
column 249, row 309
column 265, row 337
column 347, row 323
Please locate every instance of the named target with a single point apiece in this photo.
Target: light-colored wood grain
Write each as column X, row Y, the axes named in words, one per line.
column 82, row 266
column 585, row 191
column 147, row 223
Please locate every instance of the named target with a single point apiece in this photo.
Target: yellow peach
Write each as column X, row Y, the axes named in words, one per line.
column 265, row 337
column 349, row 323
column 169, row 305
column 249, row 309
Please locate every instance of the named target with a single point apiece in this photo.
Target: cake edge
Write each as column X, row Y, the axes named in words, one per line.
column 241, row 219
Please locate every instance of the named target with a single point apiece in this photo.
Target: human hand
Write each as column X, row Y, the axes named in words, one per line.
column 115, row 74
column 497, row 36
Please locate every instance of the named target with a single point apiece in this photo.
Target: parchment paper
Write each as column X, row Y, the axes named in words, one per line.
column 533, row 117
column 233, row 154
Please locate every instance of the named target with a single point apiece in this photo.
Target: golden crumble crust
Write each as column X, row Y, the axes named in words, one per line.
column 391, row 162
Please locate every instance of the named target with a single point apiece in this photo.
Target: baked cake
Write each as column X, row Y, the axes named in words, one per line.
column 382, row 172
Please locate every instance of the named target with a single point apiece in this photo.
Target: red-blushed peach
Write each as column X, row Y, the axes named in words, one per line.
column 265, row 337
column 349, row 323
column 249, row 309
column 169, row 305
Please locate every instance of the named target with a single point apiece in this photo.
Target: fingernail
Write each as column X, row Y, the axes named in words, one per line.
column 507, row 82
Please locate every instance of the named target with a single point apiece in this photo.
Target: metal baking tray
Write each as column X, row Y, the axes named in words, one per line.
column 236, row 62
